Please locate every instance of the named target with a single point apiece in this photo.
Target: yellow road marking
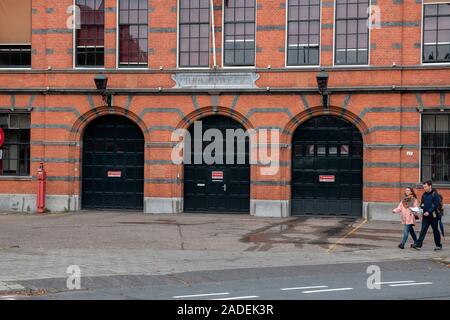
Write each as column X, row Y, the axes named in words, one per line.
column 348, row 234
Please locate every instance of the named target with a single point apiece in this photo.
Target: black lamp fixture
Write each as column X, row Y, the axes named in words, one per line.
column 101, row 82
column 322, row 84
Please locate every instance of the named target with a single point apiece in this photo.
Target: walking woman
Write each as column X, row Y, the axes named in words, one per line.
column 407, row 216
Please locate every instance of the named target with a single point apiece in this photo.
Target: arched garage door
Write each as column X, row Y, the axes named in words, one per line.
column 327, row 168
column 113, row 164
column 217, row 187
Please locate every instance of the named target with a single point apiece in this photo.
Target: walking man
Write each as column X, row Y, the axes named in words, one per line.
column 430, row 202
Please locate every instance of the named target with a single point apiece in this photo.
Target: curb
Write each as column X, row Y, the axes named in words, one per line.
column 445, row 260
column 22, row 293
column 15, row 289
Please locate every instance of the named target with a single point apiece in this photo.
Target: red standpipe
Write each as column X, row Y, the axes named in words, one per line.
column 42, row 179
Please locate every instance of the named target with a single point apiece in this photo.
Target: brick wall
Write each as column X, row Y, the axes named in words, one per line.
column 388, row 119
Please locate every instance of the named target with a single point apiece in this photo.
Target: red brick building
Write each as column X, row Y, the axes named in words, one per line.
column 385, row 127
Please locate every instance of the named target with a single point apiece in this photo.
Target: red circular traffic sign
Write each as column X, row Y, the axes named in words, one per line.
column 2, row 137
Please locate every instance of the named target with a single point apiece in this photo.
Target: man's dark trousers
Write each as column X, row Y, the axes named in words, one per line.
column 426, row 222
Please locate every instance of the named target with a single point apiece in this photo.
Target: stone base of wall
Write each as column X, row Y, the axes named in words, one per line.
column 270, row 208
column 383, row 211
column 27, row 203
column 163, row 205
column 380, row 211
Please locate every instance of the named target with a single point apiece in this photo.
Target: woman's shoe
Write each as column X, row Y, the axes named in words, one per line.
column 401, row 246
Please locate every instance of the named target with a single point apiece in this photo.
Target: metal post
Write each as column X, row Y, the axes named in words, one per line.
column 213, row 33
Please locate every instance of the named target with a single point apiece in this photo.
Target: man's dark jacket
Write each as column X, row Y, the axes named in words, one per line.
column 430, row 203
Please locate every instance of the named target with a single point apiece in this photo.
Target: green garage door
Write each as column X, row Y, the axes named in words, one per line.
column 113, row 164
column 327, row 168
column 217, row 187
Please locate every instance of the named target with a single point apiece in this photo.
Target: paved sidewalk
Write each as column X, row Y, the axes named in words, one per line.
column 117, row 243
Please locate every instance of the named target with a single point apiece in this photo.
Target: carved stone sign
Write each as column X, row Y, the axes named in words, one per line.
column 215, row 80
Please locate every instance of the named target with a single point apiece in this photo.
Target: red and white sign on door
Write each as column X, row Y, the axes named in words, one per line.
column 2, row 137
column 217, row 175
column 327, row 178
column 114, row 174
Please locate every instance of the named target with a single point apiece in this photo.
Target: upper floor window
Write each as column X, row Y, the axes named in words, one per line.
column 303, row 32
column 436, row 33
column 352, row 32
column 194, row 33
column 90, row 39
column 15, row 33
column 15, row 152
column 133, row 33
column 239, row 35
column 436, row 147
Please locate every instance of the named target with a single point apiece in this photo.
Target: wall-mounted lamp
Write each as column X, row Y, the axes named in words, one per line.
column 101, row 82
column 322, row 84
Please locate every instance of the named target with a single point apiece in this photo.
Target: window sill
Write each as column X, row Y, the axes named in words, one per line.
column 16, row 178
column 12, row 68
column 89, row 68
column 441, row 185
column 441, row 63
column 435, row 185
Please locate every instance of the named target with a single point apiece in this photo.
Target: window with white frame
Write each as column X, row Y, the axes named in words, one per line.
column 303, row 32
column 194, row 31
column 436, row 147
column 133, row 33
column 15, row 151
column 436, row 32
column 90, row 38
column 352, row 32
column 15, row 33
column 239, row 33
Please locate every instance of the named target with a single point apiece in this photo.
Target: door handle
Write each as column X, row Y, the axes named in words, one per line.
column 224, row 187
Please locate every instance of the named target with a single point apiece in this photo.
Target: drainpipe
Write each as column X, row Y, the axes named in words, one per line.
column 213, row 33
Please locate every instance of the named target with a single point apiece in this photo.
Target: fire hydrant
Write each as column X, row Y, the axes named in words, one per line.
column 41, row 177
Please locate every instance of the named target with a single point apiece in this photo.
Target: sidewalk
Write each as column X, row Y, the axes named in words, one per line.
column 117, row 243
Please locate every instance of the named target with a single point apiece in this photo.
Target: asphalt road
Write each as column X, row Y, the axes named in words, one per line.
column 416, row 279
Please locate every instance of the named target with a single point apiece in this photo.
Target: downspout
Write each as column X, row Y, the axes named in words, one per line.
column 213, row 34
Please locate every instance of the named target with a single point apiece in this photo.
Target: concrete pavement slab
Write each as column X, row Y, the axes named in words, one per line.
column 123, row 243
